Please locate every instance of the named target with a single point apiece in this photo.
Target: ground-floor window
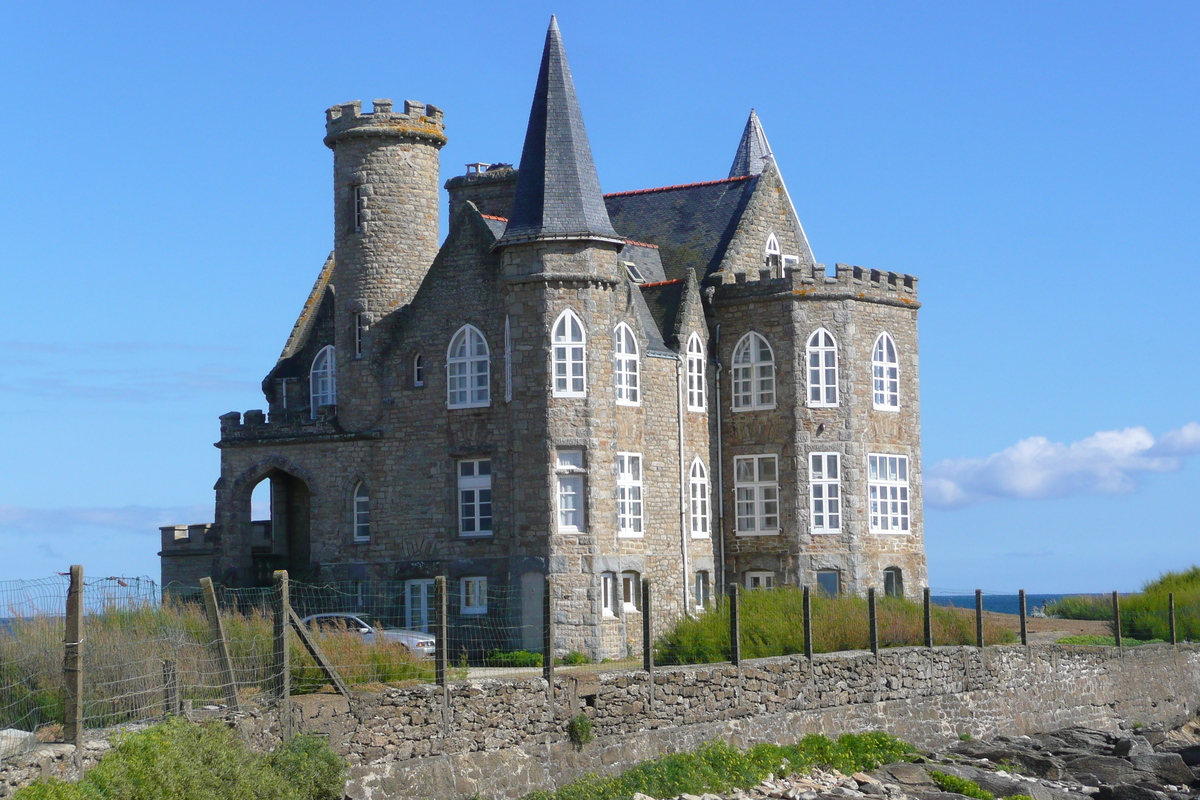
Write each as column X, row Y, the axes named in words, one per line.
column 759, row 579
column 418, row 604
column 893, row 582
column 631, row 591
column 829, row 581
column 702, row 589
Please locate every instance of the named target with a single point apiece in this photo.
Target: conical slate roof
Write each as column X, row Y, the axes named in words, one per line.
column 753, row 151
column 557, row 193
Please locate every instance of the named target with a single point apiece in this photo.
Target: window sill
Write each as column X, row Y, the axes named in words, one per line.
column 890, row 409
column 631, row 610
column 473, row 611
column 753, row 408
column 568, row 394
column 356, row 540
column 892, row 533
column 630, row 535
column 571, row 530
column 757, row 533
column 701, row 536
column 485, row 535
column 825, row 533
column 822, row 405
column 468, row 405
column 697, row 409
column 629, row 403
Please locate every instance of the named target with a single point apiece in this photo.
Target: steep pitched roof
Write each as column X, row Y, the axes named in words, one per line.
column 558, row 193
column 691, row 224
column 304, row 322
column 753, row 150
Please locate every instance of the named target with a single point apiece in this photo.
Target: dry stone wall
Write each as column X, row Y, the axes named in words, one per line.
column 506, row 738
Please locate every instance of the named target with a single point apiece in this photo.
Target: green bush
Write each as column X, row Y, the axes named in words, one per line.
column 579, row 729
column 772, row 625
column 1104, row 641
column 515, row 658
column 953, row 783
column 573, row 659
column 179, row 760
column 719, row 768
column 1080, row 606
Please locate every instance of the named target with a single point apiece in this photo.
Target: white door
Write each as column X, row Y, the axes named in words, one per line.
column 418, row 605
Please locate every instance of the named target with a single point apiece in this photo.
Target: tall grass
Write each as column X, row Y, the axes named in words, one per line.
column 1144, row 615
column 124, row 649
column 772, row 624
column 1080, row 606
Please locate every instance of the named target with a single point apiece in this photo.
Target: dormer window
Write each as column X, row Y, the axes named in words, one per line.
column 632, row 271
column 773, row 256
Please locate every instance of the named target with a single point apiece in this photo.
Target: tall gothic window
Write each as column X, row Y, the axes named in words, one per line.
column 362, row 513
column 625, row 366
column 822, row 369
column 569, row 356
column 773, row 255
column 695, row 373
column 467, row 373
column 753, row 374
column 699, row 500
column 322, row 380
column 885, row 371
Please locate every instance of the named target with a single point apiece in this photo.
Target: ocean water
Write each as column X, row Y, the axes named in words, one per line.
column 1000, row 603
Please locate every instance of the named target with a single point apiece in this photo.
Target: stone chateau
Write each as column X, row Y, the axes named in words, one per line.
column 657, row 384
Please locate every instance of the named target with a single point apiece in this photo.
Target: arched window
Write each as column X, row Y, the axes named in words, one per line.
column 362, row 513
column 699, row 500
column 822, row 369
column 467, row 373
column 893, row 582
column 418, row 371
column 772, row 254
column 753, row 374
column 625, row 366
column 322, row 380
column 885, row 369
column 569, row 347
column 695, row 373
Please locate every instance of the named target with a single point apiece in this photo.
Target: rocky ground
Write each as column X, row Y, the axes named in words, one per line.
column 1068, row 764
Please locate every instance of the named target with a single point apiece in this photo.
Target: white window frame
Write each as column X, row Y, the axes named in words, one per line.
column 569, row 479
column 699, row 503
column 568, row 356
column 630, row 496
column 508, row 374
column 418, row 617
column 322, row 379
column 474, row 595
column 697, row 389
column 468, row 376
column 701, row 590
column 753, row 377
column 472, row 510
column 885, row 373
column 418, row 370
column 888, row 494
column 823, row 374
column 756, row 499
column 825, row 492
column 362, row 513
column 626, row 366
column 764, row 578
column 631, row 591
column 360, row 333
column 608, row 594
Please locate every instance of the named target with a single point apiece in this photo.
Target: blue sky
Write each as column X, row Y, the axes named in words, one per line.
column 165, row 206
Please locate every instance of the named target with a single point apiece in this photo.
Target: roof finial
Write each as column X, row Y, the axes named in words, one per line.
column 558, row 193
column 753, row 151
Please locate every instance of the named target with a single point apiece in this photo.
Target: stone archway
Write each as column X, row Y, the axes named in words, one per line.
column 284, row 539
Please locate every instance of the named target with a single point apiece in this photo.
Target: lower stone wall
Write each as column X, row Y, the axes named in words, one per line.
column 506, row 738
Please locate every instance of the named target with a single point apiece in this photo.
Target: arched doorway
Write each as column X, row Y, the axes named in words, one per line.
column 279, row 526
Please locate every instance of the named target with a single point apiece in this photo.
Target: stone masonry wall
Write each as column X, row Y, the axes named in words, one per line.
column 506, row 738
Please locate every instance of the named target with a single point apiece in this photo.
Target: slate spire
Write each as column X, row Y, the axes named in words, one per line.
column 558, row 193
column 753, row 151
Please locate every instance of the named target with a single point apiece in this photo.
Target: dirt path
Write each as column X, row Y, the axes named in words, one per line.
column 1046, row 631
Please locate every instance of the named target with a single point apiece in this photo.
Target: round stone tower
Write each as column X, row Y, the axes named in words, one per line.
column 385, row 192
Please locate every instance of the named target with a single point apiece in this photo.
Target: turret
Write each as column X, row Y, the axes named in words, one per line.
column 385, row 191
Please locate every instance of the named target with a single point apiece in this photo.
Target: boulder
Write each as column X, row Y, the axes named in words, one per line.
column 1133, row 746
column 1126, row 792
column 14, row 742
column 1190, row 755
column 1169, row 767
column 904, row 774
column 1107, row 770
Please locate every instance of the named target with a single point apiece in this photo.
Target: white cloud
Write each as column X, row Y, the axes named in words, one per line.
column 1108, row 462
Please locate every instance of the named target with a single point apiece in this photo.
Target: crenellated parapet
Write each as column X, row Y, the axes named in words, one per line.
column 419, row 121
column 844, row 282
column 255, row 426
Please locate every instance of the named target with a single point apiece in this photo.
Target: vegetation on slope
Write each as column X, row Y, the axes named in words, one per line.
column 1144, row 615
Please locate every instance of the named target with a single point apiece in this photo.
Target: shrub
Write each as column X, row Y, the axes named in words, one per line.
column 573, row 659
column 579, row 729
column 719, row 768
column 516, row 658
column 179, row 759
column 953, row 783
column 1080, row 606
column 772, row 625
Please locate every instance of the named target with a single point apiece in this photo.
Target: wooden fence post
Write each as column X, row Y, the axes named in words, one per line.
column 873, row 622
column 1116, row 600
column 648, row 642
column 735, row 626
column 1171, row 616
column 314, row 650
column 1024, row 627
column 979, row 618
column 442, row 658
column 73, row 660
column 220, row 644
column 548, row 635
column 808, row 636
column 283, row 653
column 928, row 603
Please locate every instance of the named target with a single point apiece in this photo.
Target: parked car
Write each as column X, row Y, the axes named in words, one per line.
column 417, row 643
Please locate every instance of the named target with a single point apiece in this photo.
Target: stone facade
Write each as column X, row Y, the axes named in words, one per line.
column 507, row 738
column 366, row 474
